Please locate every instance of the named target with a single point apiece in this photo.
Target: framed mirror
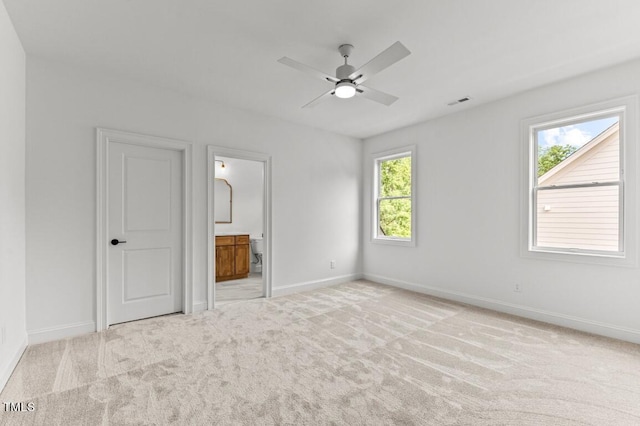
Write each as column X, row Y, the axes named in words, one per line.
column 224, row 201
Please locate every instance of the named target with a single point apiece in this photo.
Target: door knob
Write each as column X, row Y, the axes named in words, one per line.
column 115, row 242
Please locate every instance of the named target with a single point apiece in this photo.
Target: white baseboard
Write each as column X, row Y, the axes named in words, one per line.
column 582, row 324
column 199, row 306
column 6, row 374
column 311, row 285
column 60, row 332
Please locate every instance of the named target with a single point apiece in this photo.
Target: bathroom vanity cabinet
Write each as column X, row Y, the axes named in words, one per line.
column 232, row 257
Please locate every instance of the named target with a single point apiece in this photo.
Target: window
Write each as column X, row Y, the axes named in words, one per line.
column 394, row 209
column 576, row 174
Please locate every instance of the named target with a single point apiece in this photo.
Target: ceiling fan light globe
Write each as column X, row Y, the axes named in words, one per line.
column 345, row 90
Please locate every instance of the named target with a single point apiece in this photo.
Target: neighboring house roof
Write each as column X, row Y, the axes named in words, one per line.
column 585, row 152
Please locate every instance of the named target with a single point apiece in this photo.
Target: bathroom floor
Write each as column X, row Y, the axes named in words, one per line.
column 244, row 289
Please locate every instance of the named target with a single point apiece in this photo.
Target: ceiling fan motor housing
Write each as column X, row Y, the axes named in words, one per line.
column 344, row 71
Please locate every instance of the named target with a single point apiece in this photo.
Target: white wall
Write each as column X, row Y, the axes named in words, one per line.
column 316, row 186
column 468, row 242
column 13, row 337
column 246, row 180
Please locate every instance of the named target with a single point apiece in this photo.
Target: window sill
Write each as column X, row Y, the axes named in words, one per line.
column 613, row 259
column 394, row 242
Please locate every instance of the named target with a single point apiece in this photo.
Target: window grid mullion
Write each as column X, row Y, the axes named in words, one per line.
column 578, row 185
column 397, row 197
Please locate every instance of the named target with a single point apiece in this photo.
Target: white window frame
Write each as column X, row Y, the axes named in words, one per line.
column 377, row 158
column 626, row 109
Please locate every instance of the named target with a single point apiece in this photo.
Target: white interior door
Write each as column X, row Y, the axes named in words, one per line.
column 145, row 253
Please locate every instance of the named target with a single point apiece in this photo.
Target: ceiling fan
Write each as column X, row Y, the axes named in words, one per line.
column 348, row 80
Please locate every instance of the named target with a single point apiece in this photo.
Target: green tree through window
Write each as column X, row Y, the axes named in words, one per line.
column 394, row 198
column 551, row 156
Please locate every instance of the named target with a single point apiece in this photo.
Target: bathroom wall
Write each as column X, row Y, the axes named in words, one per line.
column 246, row 179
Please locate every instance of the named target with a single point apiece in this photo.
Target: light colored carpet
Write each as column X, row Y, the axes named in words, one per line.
column 353, row 354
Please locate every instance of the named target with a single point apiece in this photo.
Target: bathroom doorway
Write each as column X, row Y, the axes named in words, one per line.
column 240, row 222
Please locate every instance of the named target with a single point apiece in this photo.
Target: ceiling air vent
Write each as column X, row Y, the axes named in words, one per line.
column 459, row 101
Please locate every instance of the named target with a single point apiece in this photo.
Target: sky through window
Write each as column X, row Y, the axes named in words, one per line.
column 576, row 134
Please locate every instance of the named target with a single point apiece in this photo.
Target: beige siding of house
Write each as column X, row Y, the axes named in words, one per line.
column 583, row 218
column 598, row 165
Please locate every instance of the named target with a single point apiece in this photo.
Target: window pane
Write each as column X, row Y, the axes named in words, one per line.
column 394, row 218
column 395, row 177
column 581, row 218
column 582, row 152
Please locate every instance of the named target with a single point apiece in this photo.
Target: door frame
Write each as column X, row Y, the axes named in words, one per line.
column 104, row 137
column 212, row 152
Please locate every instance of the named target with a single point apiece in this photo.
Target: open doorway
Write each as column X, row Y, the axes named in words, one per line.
column 239, row 222
column 239, row 215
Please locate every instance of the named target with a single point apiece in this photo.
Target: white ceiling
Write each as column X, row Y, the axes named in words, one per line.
column 227, row 50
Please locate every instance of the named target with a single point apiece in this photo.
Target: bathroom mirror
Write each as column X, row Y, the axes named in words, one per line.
column 223, row 201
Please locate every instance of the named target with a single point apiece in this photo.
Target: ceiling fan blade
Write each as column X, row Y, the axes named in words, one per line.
column 376, row 95
column 385, row 59
column 319, row 99
column 307, row 69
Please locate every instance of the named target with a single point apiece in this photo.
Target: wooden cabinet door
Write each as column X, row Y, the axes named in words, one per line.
column 225, row 261
column 242, row 259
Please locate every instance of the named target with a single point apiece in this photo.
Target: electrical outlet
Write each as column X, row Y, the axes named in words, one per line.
column 517, row 287
column 332, row 264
